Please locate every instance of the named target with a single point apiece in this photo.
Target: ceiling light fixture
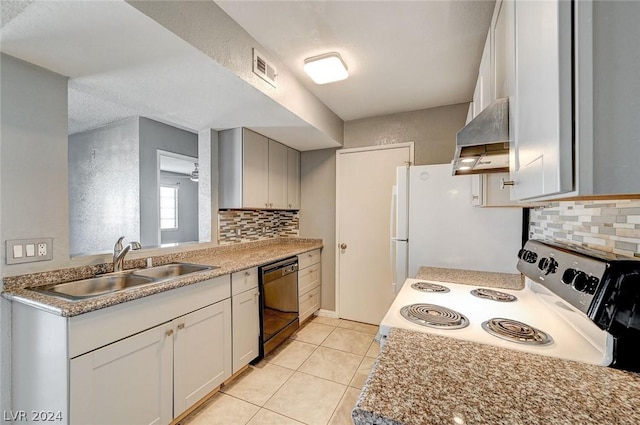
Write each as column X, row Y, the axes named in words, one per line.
column 195, row 174
column 326, row 68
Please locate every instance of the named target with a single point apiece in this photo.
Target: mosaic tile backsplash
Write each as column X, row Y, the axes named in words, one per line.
column 236, row 226
column 611, row 226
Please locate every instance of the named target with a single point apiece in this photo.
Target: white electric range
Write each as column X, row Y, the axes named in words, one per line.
column 571, row 307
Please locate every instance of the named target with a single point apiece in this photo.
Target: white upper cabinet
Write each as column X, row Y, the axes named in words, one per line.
column 255, row 172
column 293, row 179
column 576, row 108
column 543, row 126
column 277, row 175
column 483, row 93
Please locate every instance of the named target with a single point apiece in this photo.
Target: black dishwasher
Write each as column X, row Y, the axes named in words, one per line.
column 279, row 303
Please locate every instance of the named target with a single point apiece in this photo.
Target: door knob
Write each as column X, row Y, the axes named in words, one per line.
column 343, row 245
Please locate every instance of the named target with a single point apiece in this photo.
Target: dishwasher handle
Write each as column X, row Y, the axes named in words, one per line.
column 279, row 269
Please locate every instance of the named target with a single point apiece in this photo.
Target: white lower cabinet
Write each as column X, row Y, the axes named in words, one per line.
column 201, row 354
column 246, row 328
column 127, row 382
column 245, row 308
column 144, row 361
column 309, row 282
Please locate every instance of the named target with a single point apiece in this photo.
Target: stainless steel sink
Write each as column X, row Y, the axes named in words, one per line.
column 92, row 287
column 171, row 270
column 120, row 281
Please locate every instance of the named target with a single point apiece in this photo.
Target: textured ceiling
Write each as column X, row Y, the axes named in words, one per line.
column 402, row 55
column 123, row 63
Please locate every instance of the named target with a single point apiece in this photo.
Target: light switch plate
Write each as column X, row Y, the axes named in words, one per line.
column 29, row 250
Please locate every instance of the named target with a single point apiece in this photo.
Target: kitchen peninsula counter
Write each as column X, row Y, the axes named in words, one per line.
column 227, row 259
column 421, row 378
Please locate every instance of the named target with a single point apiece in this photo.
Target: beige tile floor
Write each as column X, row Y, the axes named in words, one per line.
column 314, row 378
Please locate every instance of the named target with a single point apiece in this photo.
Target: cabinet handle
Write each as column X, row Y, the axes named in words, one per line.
column 247, row 274
column 266, row 204
column 169, row 332
column 504, row 183
column 289, row 205
column 181, row 326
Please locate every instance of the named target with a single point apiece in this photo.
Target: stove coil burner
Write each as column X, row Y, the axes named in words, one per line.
column 512, row 330
column 434, row 316
column 491, row 294
column 429, row 287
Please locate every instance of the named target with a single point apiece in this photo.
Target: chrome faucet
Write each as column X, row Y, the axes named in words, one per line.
column 119, row 252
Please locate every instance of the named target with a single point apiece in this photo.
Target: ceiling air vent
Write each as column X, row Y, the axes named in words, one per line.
column 263, row 68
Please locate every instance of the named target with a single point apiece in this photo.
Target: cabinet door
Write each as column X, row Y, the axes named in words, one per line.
column 293, row 179
column 202, row 353
column 277, row 175
column 127, row 382
column 504, row 61
column 484, row 75
column 246, row 328
column 255, row 170
column 543, row 143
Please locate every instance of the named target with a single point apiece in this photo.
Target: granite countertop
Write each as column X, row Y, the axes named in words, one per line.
column 472, row 277
column 228, row 259
column 421, row 378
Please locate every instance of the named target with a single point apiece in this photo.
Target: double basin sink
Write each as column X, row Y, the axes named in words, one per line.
column 120, row 281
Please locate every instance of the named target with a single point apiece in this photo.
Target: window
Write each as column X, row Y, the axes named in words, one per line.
column 168, row 207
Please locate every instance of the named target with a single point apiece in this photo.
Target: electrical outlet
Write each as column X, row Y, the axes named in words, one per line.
column 29, row 250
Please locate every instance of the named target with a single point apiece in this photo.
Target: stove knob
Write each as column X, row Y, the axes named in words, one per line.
column 528, row 256
column 548, row 265
column 568, row 276
column 581, row 282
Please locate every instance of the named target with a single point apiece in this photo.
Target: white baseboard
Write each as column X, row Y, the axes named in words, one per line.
column 327, row 313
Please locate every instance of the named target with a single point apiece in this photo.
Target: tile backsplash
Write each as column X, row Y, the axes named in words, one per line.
column 611, row 225
column 236, row 226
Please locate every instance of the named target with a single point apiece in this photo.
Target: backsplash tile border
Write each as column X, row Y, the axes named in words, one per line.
column 605, row 225
column 238, row 226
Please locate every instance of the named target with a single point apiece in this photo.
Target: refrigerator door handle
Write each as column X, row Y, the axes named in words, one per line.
column 392, row 235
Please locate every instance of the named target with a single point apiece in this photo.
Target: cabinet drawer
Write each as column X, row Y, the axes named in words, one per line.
column 308, row 278
column 308, row 258
column 309, row 303
column 244, row 280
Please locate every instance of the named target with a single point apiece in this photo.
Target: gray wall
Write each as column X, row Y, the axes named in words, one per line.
column 187, row 230
column 33, row 187
column 318, row 213
column 34, row 160
column 104, row 187
column 433, row 132
column 153, row 136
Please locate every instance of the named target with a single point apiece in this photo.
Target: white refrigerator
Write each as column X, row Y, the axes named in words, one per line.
column 433, row 223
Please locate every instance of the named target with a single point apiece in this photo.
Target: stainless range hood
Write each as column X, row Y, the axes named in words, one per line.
column 482, row 146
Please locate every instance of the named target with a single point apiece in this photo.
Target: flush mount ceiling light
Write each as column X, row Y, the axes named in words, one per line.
column 326, row 68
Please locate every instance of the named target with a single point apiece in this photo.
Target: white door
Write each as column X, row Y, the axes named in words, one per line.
column 364, row 181
column 202, row 353
column 127, row 382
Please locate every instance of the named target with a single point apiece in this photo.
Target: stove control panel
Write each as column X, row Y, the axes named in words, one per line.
column 570, row 275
